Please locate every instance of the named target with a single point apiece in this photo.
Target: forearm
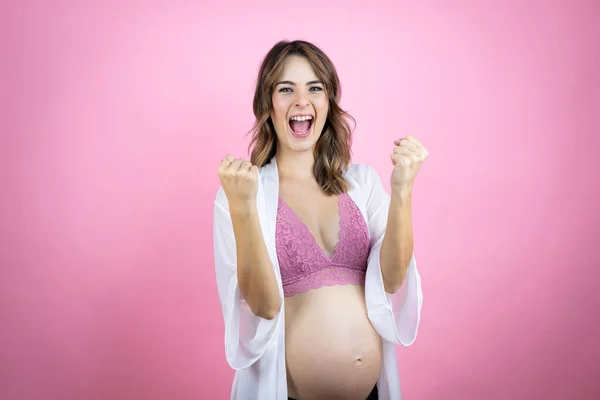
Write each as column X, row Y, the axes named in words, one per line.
column 397, row 247
column 256, row 277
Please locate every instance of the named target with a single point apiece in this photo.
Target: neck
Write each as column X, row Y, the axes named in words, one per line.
column 295, row 165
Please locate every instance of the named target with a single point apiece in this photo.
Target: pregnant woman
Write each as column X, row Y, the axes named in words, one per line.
column 314, row 259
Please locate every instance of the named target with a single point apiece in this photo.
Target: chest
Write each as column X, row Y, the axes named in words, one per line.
column 314, row 211
column 320, row 241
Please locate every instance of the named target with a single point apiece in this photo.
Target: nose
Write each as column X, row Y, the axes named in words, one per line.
column 301, row 99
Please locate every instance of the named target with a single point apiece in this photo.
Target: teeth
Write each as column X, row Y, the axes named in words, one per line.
column 303, row 118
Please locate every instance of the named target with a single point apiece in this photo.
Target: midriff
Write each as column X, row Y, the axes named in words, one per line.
column 332, row 350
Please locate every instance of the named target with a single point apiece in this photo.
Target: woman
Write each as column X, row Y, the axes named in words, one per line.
column 314, row 260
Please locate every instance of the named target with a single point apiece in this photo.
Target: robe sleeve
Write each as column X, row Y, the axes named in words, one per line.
column 395, row 316
column 247, row 336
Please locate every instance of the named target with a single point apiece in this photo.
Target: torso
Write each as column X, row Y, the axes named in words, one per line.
column 332, row 350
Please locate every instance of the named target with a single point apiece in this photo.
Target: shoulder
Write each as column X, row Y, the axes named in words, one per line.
column 362, row 176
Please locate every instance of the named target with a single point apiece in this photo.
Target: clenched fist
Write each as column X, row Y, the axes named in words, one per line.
column 239, row 179
column 407, row 157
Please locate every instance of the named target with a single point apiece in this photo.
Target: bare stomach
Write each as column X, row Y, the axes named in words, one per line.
column 332, row 350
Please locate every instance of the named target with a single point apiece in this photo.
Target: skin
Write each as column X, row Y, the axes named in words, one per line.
column 256, row 278
column 299, row 93
column 316, row 318
column 407, row 157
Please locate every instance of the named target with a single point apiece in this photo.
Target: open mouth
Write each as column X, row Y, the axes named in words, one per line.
column 301, row 125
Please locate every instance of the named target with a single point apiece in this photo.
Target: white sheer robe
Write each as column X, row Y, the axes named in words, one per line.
column 255, row 347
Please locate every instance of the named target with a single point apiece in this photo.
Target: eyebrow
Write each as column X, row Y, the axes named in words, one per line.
column 293, row 84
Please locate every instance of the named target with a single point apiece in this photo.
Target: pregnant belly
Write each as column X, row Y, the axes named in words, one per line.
column 332, row 350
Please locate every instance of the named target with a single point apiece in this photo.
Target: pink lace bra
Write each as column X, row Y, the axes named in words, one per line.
column 304, row 265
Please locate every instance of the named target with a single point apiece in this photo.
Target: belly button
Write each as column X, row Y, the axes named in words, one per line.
column 357, row 362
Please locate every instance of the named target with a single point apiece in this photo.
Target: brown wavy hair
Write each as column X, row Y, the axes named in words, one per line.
column 333, row 149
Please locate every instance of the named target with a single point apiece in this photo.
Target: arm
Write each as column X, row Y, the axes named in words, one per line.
column 396, row 313
column 397, row 247
column 247, row 336
column 241, row 226
column 255, row 274
column 393, row 285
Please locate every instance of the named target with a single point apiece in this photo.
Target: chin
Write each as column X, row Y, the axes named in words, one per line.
column 301, row 148
column 304, row 144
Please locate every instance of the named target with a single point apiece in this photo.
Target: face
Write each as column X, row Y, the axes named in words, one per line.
column 300, row 106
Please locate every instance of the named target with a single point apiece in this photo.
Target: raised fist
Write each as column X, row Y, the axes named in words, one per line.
column 239, row 179
column 408, row 156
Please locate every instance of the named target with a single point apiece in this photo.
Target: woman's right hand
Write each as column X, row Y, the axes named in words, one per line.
column 239, row 179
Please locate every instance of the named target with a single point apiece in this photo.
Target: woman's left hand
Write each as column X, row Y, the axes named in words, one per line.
column 407, row 157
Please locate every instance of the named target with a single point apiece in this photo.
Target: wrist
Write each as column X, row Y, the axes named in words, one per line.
column 242, row 208
column 402, row 192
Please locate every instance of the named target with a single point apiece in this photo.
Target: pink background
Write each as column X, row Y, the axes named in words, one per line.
column 115, row 116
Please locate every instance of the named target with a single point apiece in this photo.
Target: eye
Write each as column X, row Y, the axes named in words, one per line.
column 316, row 88
column 285, row 90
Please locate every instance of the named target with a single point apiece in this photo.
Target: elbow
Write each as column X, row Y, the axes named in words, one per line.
column 393, row 277
column 266, row 307
column 269, row 312
column 392, row 287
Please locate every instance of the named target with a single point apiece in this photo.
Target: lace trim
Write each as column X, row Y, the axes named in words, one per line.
column 325, row 277
column 304, row 265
